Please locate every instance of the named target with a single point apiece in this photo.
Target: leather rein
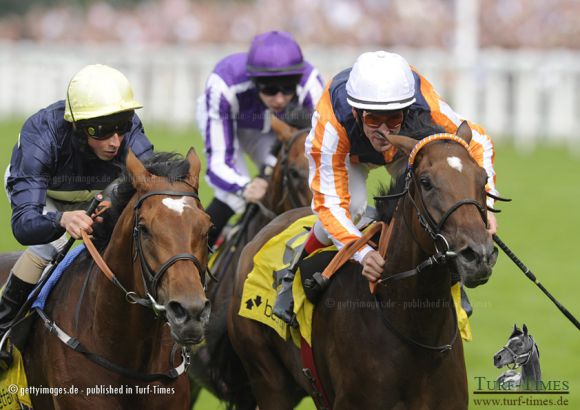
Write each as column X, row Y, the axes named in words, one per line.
column 433, row 229
column 150, row 279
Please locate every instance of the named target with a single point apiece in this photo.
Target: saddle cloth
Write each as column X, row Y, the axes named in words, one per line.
column 13, row 382
column 261, row 285
column 13, row 385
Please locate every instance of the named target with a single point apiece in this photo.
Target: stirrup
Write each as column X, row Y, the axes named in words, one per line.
column 288, row 318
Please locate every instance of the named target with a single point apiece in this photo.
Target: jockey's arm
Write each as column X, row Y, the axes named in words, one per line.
column 327, row 148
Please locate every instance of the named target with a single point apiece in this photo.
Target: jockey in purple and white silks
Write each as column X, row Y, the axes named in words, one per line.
column 234, row 115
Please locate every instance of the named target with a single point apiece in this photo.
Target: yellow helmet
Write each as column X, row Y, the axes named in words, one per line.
column 96, row 91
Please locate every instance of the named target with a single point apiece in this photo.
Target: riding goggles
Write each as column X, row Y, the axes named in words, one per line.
column 271, row 90
column 392, row 119
column 108, row 126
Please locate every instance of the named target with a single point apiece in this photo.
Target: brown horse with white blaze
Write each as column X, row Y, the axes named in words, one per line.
column 396, row 348
column 130, row 327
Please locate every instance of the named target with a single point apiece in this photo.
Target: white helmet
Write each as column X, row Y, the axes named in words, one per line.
column 380, row 81
column 98, row 90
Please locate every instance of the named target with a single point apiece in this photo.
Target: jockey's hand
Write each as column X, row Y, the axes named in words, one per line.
column 75, row 221
column 373, row 264
column 255, row 190
column 491, row 223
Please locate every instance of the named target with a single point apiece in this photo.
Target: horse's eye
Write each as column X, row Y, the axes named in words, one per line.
column 144, row 230
column 425, row 183
column 294, row 174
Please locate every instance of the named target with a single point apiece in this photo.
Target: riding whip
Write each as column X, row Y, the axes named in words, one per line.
column 54, row 263
column 533, row 278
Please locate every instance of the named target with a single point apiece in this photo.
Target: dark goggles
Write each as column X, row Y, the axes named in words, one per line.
column 273, row 89
column 107, row 126
column 392, row 119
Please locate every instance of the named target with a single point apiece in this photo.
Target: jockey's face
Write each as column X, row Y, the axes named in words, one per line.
column 106, row 149
column 378, row 124
column 276, row 103
column 276, row 93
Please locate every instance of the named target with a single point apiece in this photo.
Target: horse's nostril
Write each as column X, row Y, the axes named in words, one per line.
column 205, row 312
column 469, row 255
column 178, row 312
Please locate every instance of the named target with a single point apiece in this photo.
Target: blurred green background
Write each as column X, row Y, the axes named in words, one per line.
column 541, row 226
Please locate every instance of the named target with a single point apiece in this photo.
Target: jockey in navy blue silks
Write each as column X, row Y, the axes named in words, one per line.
column 65, row 154
column 235, row 114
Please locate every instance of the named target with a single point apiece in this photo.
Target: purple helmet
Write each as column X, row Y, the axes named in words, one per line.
column 274, row 54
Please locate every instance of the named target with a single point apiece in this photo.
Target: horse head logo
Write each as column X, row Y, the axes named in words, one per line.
column 520, row 351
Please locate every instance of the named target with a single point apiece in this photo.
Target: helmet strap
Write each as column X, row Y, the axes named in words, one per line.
column 358, row 120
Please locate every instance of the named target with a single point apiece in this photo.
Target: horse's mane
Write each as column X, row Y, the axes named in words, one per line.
column 418, row 125
column 170, row 165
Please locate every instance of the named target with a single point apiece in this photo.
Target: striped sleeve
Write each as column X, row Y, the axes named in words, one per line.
column 481, row 147
column 221, row 105
column 327, row 148
column 309, row 93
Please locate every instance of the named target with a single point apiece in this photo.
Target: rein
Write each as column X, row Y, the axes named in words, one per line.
column 433, row 229
column 150, row 279
column 287, row 180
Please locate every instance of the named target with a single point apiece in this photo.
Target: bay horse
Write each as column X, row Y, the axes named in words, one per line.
column 154, row 240
column 214, row 365
column 397, row 348
column 519, row 351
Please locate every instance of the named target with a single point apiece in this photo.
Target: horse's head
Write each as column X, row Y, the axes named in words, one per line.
column 170, row 249
column 290, row 176
column 447, row 188
column 517, row 351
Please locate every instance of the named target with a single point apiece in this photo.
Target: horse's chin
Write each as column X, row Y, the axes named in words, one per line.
column 190, row 335
column 476, row 271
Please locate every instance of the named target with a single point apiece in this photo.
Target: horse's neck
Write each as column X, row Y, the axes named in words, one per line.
column 423, row 301
column 531, row 370
column 272, row 200
column 116, row 322
column 406, row 251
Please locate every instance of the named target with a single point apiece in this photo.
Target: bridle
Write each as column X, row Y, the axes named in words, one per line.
column 151, row 279
column 426, row 220
column 288, row 180
column 434, row 230
column 518, row 359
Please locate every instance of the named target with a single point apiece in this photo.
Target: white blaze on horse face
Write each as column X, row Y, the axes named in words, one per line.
column 455, row 163
column 177, row 205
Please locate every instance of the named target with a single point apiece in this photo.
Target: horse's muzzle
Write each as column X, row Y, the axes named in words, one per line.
column 188, row 323
column 475, row 263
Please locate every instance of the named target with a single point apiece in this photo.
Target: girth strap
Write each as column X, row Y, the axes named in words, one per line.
column 309, row 369
column 75, row 344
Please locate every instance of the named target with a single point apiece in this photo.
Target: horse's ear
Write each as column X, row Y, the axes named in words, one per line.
column 140, row 177
column 464, row 132
column 402, row 142
column 194, row 168
column 525, row 328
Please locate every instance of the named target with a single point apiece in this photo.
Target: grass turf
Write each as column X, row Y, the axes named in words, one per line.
column 540, row 226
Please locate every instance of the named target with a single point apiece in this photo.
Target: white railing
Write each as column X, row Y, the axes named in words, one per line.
column 522, row 95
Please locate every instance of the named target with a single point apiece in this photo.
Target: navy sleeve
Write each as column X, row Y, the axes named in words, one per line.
column 138, row 141
column 33, row 158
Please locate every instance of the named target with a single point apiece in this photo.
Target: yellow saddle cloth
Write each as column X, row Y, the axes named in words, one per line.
column 14, row 385
column 279, row 253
